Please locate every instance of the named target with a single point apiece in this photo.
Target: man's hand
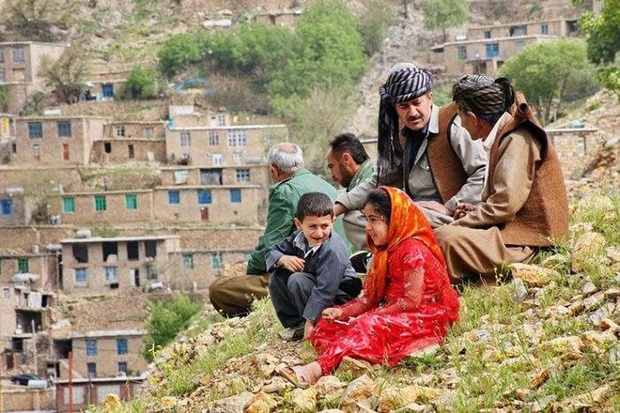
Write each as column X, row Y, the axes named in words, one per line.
column 463, row 209
column 308, row 329
column 435, row 206
column 291, row 263
column 339, row 209
column 332, row 313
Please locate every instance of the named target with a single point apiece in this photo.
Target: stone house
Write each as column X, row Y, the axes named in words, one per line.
column 577, row 146
column 7, row 137
column 95, row 265
column 55, row 140
column 131, row 141
column 80, row 394
column 20, row 63
column 484, row 49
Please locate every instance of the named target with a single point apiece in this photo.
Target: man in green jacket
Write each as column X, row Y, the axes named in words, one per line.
column 350, row 166
column 233, row 295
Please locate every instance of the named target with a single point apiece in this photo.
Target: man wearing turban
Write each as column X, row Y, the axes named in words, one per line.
column 524, row 205
column 422, row 149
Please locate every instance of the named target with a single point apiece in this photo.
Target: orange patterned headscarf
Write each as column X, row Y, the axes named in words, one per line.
column 406, row 221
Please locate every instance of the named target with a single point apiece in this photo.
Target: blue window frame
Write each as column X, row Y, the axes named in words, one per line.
column 80, row 275
column 174, row 197
column 188, row 261
column 122, row 366
column 121, row 346
column 35, row 130
column 492, row 50
column 131, row 201
column 92, row 370
column 204, row 196
column 6, row 207
column 64, row 129
column 101, row 203
column 107, row 90
column 235, row 196
column 91, row 347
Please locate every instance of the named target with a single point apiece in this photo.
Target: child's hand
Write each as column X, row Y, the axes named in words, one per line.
column 332, row 313
column 308, row 329
column 291, row 263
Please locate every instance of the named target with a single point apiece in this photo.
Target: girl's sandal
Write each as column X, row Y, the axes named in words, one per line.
column 294, row 375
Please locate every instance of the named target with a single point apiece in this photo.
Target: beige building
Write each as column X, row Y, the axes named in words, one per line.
column 94, row 265
column 20, row 63
column 81, row 394
column 131, row 141
column 55, row 140
column 484, row 49
column 577, row 146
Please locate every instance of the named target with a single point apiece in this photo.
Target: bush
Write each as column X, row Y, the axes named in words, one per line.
column 141, row 84
column 167, row 319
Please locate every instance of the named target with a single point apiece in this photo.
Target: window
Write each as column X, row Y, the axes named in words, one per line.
column 204, row 196
column 492, row 50
column 80, row 275
column 236, row 156
column 235, row 195
column 131, row 201
column 267, row 137
column 6, row 207
column 6, row 293
column 186, row 139
column 107, row 90
column 107, row 249
column 242, row 175
column 174, row 197
column 236, row 137
column 214, row 138
column 19, row 55
column 462, row 52
column 111, row 274
column 211, row 177
column 2, row 75
column 216, row 261
column 487, row 34
column 544, row 28
column 121, row 346
column 148, row 133
column 92, row 370
column 150, row 249
column 64, row 129
column 68, row 205
column 36, row 151
column 91, row 347
column 120, row 131
column 80, row 253
column 519, row 45
column 151, row 273
column 122, row 367
column 221, row 120
column 1, row 55
column 23, row 265
column 133, row 252
column 518, row 30
column 35, row 130
column 218, row 159
column 188, row 261
column 101, row 203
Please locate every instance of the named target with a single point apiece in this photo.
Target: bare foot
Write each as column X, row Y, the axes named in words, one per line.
column 309, row 373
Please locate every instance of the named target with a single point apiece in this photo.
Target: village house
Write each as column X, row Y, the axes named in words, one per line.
column 80, row 394
column 484, row 49
column 125, row 141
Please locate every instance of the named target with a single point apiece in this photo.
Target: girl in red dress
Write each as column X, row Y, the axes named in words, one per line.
column 407, row 302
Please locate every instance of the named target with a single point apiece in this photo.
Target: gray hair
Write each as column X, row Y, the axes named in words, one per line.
column 286, row 156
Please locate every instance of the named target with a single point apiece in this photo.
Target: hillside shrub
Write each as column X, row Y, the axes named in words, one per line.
column 141, row 84
column 167, row 319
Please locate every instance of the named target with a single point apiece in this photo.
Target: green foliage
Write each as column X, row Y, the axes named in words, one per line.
column 67, row 74
column 5, row 98
column 603, row 42
column 441, row 14
column 141, row 84
column 179, row 51
column 373, row 26
column 37, row 20
column 331, row 52
column 167, row 319
column 541, row 73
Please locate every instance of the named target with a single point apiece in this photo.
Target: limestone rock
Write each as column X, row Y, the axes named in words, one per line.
column 533, row 275
column 261, row 403
column 359, row 389
column 588, row 247
column 233, row 404
column 304, row 401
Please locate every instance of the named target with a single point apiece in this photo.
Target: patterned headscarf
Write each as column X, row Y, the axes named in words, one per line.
column 405, row 82
column 406, row 221
column 482, row 95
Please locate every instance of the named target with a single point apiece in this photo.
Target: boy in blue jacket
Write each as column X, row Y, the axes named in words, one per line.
column 309, row 270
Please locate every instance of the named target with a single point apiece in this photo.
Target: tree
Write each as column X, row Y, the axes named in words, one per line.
column 603, row 42
column 67, row 74
column 167, row 320
column 179, row 51
column 38, row 20
column 141, row 84
column 541, row 72
column 441, row 14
